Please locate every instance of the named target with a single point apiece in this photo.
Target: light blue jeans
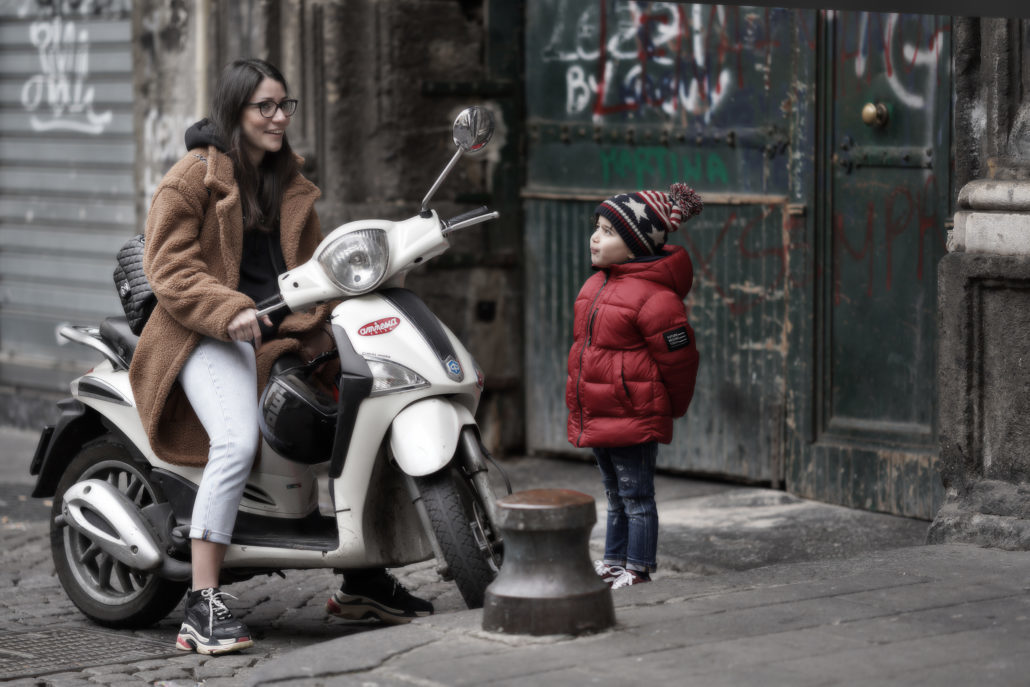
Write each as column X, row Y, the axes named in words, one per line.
column 220, row 378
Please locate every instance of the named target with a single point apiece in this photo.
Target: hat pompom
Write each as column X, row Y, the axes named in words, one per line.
column 687, row 199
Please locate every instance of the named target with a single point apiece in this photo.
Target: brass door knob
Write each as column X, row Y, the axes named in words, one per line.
column 874, row 114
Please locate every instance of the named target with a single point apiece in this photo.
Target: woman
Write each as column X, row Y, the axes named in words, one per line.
column 229, row 217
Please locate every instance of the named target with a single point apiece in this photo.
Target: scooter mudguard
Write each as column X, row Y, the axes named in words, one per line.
column 425, row 435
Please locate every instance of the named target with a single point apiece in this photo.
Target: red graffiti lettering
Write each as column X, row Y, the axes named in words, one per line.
column 840, row 241
column 778, row 253
column 899, row 213
column 894, row 226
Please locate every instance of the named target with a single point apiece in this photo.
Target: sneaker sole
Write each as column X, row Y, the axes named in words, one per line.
column 189, row 640
column 364, row 608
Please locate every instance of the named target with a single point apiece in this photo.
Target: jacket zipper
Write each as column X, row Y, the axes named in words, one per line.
column 579, row 373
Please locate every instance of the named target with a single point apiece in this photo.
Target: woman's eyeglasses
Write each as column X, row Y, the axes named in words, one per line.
column 267, row 108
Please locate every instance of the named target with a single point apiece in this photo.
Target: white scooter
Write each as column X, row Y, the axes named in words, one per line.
column 397, row 458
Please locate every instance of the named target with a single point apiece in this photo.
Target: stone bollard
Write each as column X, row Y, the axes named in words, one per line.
column 547, row 584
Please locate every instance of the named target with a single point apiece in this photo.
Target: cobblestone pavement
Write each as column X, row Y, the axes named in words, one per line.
column 283, row 614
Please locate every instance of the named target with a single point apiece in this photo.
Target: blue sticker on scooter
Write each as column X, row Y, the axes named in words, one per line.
column 454, row 369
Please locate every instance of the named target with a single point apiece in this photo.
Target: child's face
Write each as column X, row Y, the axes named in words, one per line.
column 606, row 246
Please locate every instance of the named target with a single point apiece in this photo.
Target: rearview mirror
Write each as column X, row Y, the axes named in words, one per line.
column 473, row 128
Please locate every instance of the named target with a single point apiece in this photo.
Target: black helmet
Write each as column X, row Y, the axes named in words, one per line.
column 297, row 420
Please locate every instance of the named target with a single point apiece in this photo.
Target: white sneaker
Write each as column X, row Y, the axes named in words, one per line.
column 628, row 578
column 607, row 573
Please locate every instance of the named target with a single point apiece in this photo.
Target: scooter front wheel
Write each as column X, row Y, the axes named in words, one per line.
column 458, row 518
column 106, row 590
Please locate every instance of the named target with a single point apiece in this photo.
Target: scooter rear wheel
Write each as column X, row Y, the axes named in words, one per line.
column 458, row 518
column 106, row 590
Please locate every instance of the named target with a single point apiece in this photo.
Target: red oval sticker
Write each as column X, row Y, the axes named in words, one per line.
column 387, row 324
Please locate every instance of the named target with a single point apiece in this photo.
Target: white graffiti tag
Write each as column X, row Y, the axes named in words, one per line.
column 59, row 96
column 902, row 53
column 163, row 144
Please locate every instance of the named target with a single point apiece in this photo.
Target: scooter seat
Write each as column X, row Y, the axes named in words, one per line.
column 115, row 331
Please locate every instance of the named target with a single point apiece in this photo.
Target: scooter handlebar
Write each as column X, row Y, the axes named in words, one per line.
column 468, row 219
column 271, row 305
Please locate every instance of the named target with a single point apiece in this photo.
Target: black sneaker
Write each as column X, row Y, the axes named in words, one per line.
column 376, row 594
column 210, row 627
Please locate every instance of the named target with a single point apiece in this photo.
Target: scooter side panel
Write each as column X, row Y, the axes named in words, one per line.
column 124, row 416
column 276, row 487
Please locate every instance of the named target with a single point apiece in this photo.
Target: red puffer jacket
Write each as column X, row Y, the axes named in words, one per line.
column 633, row 361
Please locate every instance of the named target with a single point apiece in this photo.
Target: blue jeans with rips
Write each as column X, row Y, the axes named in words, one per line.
column 631, row 538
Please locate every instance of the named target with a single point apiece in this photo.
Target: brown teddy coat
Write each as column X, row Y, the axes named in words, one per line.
column 194, row 243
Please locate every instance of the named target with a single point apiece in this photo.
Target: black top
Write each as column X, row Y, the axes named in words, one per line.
column 260, row 266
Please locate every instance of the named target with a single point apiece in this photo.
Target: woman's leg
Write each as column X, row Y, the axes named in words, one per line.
column 219, row 379
column 207, row 557
column 635, row 469
column 616, row 527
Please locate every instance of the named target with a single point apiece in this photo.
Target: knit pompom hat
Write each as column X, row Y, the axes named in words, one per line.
column 643, row 219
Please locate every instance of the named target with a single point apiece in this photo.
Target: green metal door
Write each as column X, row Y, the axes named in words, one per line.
column 625, row 96
column 864, row 433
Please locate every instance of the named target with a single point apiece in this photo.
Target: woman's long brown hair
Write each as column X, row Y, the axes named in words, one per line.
column 261, row 186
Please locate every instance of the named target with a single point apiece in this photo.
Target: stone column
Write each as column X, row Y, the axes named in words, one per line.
column 983, row 364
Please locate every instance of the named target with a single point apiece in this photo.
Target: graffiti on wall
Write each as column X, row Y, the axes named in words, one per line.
column 901, row 213
column 166, row 28
column 48, row 9
column 164, row 38
column 163, row 145
column 59, row 96
column 905, row 52
column 640, row 165
column 904, row 46
column 743, row 236
column 680, row 59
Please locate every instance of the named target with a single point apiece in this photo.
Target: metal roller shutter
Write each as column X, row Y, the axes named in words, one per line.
column 66, row 179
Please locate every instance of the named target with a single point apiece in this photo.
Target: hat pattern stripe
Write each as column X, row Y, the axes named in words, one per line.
column 655, row 203
column 665, row 207
column 636, row 233
column 661, row 204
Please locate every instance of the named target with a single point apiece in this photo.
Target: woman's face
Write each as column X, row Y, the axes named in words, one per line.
column 262, row 134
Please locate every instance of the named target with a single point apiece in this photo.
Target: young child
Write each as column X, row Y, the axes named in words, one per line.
column 632, row 364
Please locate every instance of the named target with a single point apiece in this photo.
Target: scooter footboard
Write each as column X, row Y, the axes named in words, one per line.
column 425, row 435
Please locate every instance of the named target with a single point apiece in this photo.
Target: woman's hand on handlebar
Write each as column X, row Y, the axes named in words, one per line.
column 245, row 327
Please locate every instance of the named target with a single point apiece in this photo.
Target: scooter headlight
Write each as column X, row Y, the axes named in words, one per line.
column 356, row 262
column 389, row 377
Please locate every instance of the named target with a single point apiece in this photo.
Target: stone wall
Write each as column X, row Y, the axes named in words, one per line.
column 983, row 365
